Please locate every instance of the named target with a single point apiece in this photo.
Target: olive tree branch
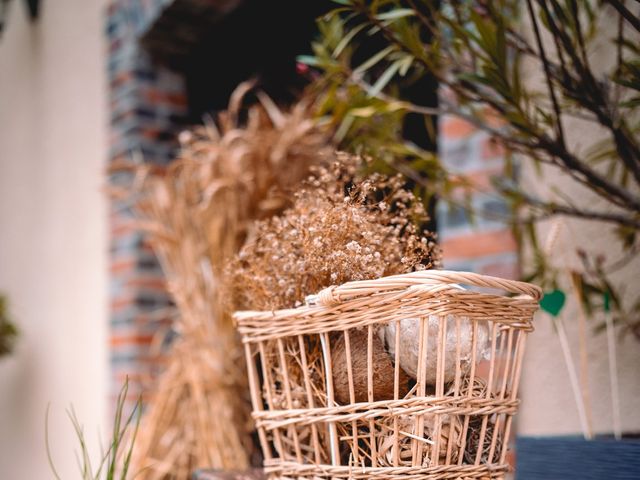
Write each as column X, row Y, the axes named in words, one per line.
column 552, row 208
column 626, row 13
column 545, row 63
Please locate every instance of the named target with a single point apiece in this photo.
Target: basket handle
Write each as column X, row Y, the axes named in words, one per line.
column 335, row 295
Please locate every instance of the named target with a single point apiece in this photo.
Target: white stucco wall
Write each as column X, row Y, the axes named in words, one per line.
column 548, row 406
column 53, row 237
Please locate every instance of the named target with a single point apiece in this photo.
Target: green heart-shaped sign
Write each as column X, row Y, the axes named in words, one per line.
column 552, row 302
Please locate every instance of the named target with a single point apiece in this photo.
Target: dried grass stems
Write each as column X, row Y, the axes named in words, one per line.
column 446, row 429
column 197, row 213
column 341, row 227
column 478, row 388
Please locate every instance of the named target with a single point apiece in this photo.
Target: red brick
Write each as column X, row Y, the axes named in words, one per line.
column 133, row 377
column 121, row 302
column 123, row 226
column 151, row 133
column 142, row 320
column 493, row 118
column 121, row 340
column 453, row 127
column 506, row 269
column 156, row 97
column 176, row 98
column 120, row 78
column 491, row 149
column 479, row 180
column 122, row 265
column 150, row 283
column 479, row 244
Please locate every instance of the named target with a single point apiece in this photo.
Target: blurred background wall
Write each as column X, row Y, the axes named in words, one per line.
column 78, row 88
column 548, row 404
column 53, row 244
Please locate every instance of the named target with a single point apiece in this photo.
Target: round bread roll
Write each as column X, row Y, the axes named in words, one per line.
column 410, row 345
column 383, row 369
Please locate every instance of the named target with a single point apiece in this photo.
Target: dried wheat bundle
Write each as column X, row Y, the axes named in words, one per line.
column 197, row 212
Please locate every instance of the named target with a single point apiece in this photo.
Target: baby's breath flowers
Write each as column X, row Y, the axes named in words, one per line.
column 341, row 227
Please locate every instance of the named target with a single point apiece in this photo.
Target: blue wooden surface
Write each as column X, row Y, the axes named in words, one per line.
column 570, row 458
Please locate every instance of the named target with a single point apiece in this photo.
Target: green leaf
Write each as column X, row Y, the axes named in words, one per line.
column 373, row 30
column 631, row 103
column 628, row 44
column 366, row 65
column 627, row 236
column 344, row 127
column 552, row 302
column 48, row 445
column 384, row 79
column 346, row 39
column 486, row 30
column 396, row 14
column 308, row 60
column 363, row 112
column 405, row 64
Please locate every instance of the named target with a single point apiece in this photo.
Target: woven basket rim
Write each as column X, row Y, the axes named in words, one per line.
column 433, row 280
column 365, row 305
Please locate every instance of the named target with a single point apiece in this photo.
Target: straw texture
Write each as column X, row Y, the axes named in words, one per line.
column 441, row 429
column 197, row 213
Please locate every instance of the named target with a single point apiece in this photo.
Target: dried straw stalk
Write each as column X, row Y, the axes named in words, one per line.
column 197, row 214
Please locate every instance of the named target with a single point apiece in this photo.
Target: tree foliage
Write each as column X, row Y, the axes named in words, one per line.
column 369, row 50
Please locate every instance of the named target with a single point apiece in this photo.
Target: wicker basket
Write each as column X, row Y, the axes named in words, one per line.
column 450, row 418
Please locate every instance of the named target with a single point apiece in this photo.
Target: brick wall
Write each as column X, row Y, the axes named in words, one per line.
column 148, row 107
column 147, row 104
column 484, row 243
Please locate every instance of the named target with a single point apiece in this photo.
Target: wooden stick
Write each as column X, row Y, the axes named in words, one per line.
column 292, row 432
column 396, row 393
column 333, row 433
column 352, row 393
column 266, row 375
column 573, row 377
column 256, row 400
column 416, row 447
column 311, row 403
column 582, row 349
column 613, row 374
column 440, row 364
column 372, row 425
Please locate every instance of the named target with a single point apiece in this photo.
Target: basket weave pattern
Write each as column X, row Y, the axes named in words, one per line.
column 452, row 426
